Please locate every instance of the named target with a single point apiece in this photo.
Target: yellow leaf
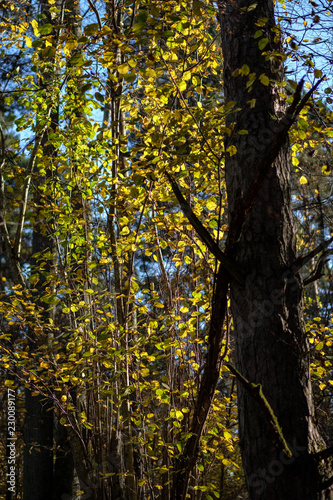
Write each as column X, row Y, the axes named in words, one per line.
column 70, row 45
column 9, row 383
column 34, row 25
column 182, row 86
column 211, row 204
column 196, row 80
column 187, row 75
column 232, row 150
column 303, row 180
column 245, row 70
column 123, row 69
column 28, row 41
column 264, row 79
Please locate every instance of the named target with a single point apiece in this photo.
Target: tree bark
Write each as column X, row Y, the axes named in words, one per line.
column 38, row 427
column 271, row 344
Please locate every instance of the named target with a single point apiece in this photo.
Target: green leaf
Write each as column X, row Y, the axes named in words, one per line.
column 77, row 60
column 99, row 97
column 45, row 29
column 49, row 52
column 262, row 43
column 91, row 29
column 130, row 77
column 37, row 43
column 138, row 27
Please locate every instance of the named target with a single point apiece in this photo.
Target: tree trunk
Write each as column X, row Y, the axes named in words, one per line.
column 38, row 457
column 38, row 426
column 271, row 344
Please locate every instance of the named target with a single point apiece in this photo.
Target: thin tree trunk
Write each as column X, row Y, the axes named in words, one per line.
column 271, row 345
column 38, row 426
column 38, row 455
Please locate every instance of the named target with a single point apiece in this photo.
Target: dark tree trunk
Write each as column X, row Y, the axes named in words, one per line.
column 38, row 455
column 38, row 426
column 271, row 345
column 63, row 465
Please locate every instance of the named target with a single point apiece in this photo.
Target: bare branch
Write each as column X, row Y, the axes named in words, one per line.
column 94, row 9
column 256, row 391
column 11, row 261
column 319, row 270
column 204, row 234
column 270, row 154
column 26, row 188
column 302, row 261
column 323, row 454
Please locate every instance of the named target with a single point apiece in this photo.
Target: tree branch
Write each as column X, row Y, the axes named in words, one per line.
column 256, row 391
column 204, row 234
column 11, row 261
column 326, row 484
column 323, row 454
column 26, row 187
column 319, row 270
column 269, row 156
column 303, row 260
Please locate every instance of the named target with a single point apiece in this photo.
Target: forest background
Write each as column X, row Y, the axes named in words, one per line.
column 113, row 211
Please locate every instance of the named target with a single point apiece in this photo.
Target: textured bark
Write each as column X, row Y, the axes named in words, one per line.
column 271, row 344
